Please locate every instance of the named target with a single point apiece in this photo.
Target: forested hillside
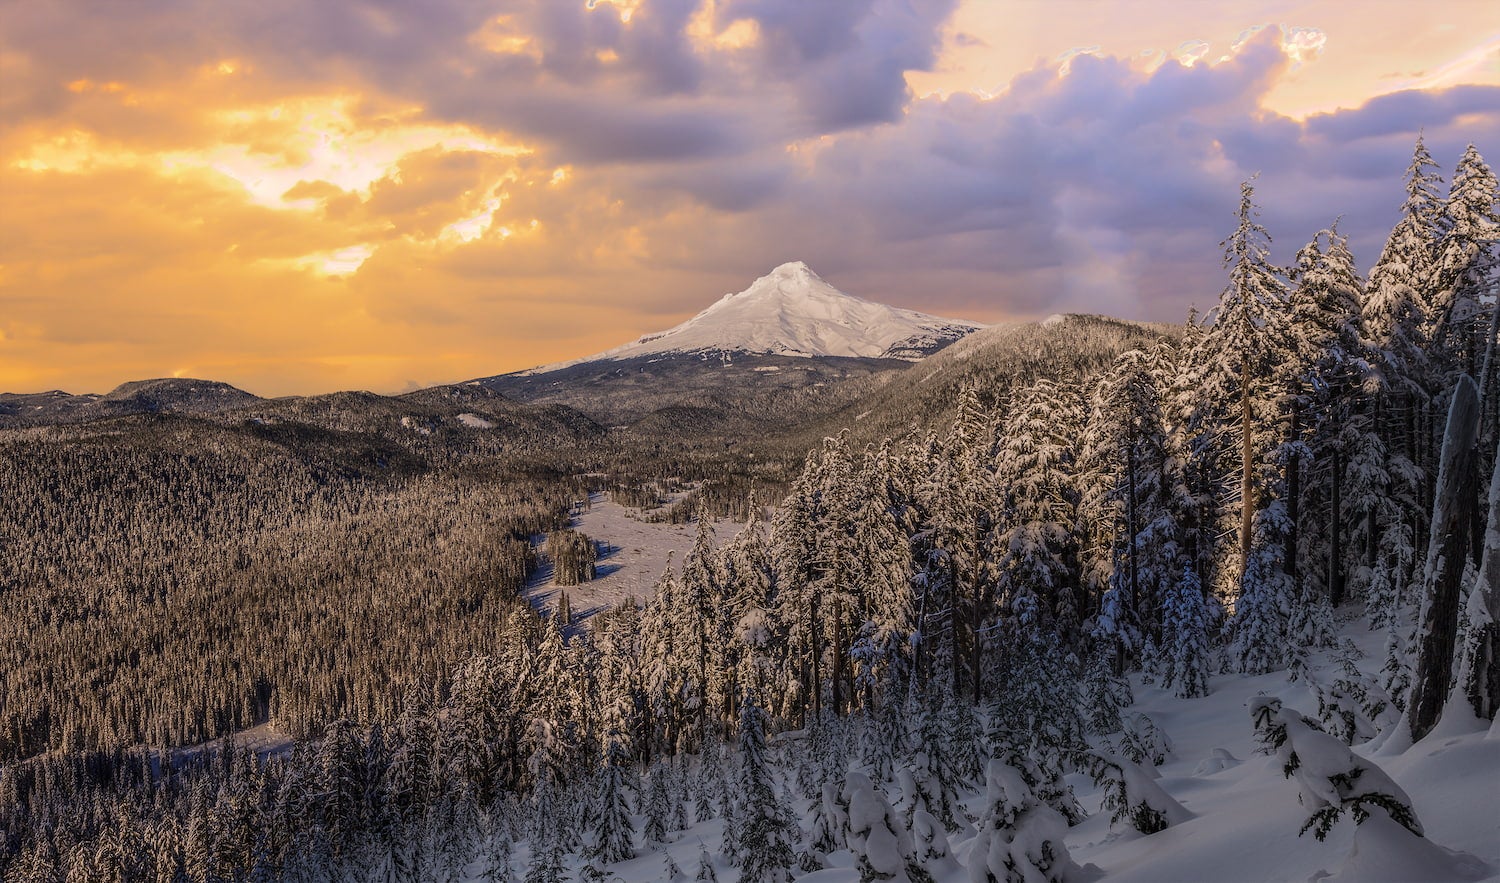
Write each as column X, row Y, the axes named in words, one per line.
column 942, row 623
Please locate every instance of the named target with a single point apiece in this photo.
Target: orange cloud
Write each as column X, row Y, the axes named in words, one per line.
column 296, row 250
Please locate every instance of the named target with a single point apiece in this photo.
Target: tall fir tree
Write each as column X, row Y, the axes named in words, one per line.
column 614, row 831
column 761, row 827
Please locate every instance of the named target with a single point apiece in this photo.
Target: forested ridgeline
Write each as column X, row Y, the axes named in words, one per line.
column 1317, row 447
column 165, row 584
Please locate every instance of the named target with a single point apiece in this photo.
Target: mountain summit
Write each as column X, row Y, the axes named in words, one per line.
column 792, row 311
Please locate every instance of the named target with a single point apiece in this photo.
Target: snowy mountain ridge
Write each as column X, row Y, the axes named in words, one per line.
column 792, row 311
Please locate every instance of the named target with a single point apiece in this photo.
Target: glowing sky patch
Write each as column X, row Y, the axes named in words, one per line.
column 321, row 140
column 339, row 262
column 471, row 228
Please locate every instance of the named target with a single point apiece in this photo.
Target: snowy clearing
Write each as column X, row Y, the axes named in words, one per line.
column 632, row 555
column 475, row 421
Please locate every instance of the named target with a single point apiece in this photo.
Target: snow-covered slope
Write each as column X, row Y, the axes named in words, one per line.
column 791, row 311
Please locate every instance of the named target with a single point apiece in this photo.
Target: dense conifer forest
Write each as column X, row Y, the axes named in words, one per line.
column 951, row 591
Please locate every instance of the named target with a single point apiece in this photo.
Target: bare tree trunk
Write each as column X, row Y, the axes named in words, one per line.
column 1372, row 523
column 919, row 656
column 1132, row 527
column 1487, row 424
column 976, row 649
column 976, row 619
column 1247, row 502
column 1448, row 546
column 1336, row 533
column 955, row 630
column 815, row 642
column 1483, row 687
column 837, row 675
column 1293, row 503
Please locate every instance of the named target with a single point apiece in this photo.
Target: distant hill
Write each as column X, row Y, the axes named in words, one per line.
column 169, row 395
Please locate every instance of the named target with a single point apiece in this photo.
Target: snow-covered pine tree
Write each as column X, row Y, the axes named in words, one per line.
column 1197, row 405
column 958, row 734
column 1104, row 694
column 1141, row 741
column 671, row 873
column 932, row 850
column 341, row 763
column 614, row 832
column 706, row 785
column 930, row 780
column 794, row 549
column 1265, row 596
column 1352, row 703
column 1465, row 253
column 1247, row 338
column 544, row 765
column 1186, row 628
column 694, row 617
column 883, row 566
column 546, row 862
column 818, row 834
column 958, row 578
column 1480, row 669
column 1125, row 513
column 1396, row 325
column 706, row 870
column 412, row 781
column 497, row 860
column 678, row 792
column 1131, row 793
column 760, row 826
column 1397, row 299
column 1020, row 838
column 747, row 630
column 656, row 804
column 1331, row 777
column 883, row 738
column 1035, row 534
column 882, row 846
column 1038, row 689
column 1321, row 374
column 662, row 667
column 829, row 819
column 840, row 555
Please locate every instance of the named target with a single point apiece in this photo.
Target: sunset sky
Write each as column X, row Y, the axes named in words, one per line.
column 297, row 196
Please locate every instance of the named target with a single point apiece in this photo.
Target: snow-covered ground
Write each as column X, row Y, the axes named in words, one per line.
column 1245, row 815
column 263, row 739
column 637, row 554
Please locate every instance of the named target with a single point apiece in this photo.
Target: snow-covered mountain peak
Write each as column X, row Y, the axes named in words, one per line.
column 793, row 268
column 792, row 311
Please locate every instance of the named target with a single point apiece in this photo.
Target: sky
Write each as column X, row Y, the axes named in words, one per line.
column 298, row 197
